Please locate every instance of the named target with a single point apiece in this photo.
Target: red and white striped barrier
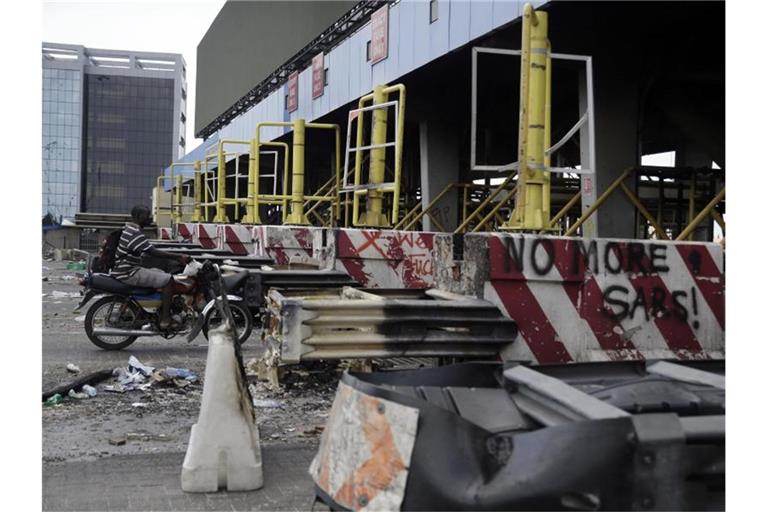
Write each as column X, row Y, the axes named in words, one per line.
column 207, row 236
column 236, row 238
column 185, row 231
column 281, row 243
column 164, row 233
column 580, row 300
column 385, row 259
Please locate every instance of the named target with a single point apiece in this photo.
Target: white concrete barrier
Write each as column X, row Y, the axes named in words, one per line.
column 224, row 450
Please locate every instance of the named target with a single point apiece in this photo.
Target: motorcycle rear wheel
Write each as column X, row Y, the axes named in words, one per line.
column 241, row 315
column 98, row 315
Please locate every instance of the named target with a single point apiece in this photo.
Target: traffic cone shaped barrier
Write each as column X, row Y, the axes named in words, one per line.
column 224, row 450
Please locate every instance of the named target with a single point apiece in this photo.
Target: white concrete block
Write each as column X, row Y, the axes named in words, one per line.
column 224, row 450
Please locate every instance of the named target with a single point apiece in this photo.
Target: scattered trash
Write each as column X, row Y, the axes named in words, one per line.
column 89, row 390
column 266, row 404
column 117, row 441
column 47, row 269
column 182, row 373
column 73, row 368
column 138, row 405
column 76, row 265
column 291, row 429
column 80, row 318
column 230, row 262
column 317, row 429
column 180, row 377
column 45, row 279
column 146, row 436
column 90, row 379
column 181, row 383
column 54, row 400
column 60, row 295
column 78, row 396
column 134, row 363
column 68, row 278
column 117, row 388
column 128, row 379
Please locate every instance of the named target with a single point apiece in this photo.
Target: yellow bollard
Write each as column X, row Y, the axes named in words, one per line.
column 252, row 209
column 221, row 189
column 532, row 203
column 196, row 213
column 296, row 216
column 374, row 216
column 176, row 208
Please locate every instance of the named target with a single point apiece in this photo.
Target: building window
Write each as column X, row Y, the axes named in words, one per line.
column 368, row 51
column 325, row 76
column 433, row 12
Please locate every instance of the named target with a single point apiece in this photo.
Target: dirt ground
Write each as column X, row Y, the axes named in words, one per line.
column 159, row 419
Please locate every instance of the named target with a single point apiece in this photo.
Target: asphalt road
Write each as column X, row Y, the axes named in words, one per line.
column 141, row 436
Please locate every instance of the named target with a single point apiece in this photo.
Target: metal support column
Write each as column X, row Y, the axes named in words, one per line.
column 221, row 188
column 297, row 216
column 374, row 216
column 532, row 209
column 252, row 209
column 196, row 213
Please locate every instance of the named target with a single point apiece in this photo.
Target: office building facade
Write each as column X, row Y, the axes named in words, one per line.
column 112, row 120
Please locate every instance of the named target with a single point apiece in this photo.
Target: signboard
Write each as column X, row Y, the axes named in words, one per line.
column 318, row 75
column 293, row 92
column 379, row 34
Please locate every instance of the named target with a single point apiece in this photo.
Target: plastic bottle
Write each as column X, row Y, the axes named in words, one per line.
column 89, row 390
column 54, row 400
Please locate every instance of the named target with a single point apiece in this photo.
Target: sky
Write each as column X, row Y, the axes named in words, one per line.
column 169, row 26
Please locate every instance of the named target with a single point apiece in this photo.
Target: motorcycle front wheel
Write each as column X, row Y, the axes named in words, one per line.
column 243, row 321
column 111, row 312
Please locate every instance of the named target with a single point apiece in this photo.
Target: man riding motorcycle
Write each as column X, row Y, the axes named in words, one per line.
column 127, row 268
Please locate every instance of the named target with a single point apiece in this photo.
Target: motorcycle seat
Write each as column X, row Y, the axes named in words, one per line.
column 234, row 281
column 107, row 283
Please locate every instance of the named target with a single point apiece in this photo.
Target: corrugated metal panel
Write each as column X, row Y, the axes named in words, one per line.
column 505, row 11
column 364, row 86
column 338, row 71
column 392, row 62
column 439, row 30
column 305, row 96
column 459, row 24
column 407, row 29
column 353, row 64
column 480, row 18
column 421, row 34
column 413, row 42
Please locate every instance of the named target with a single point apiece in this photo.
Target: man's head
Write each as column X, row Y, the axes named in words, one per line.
column 141, row 215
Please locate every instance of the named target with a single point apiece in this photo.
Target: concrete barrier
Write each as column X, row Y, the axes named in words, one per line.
column 224, row 450
column 579, row 300
column 383, row 258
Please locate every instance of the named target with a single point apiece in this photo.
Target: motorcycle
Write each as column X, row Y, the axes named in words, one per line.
column 123, row 312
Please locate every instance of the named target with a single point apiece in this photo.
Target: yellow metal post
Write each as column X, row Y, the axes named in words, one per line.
column 564, row 210
column 221, row 189
column 176, row 208
column 374, row 216
column 296, row 216
column 196, row 214
column 532, row 204
column 691, row 227
column 251, row 209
